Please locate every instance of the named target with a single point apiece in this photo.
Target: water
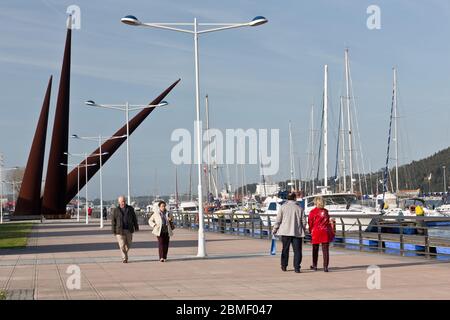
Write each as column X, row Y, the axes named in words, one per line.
column 441, row 232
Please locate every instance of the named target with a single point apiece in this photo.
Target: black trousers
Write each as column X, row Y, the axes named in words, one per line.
column 297, row 246
column 325, row 252
column 163, row 244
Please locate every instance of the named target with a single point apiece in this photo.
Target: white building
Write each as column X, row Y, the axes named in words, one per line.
column 265, row 190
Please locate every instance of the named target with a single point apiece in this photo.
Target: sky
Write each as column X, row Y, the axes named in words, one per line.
column 259, row 78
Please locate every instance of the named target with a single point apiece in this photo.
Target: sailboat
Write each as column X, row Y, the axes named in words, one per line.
column 344, row 203
column 390, row 203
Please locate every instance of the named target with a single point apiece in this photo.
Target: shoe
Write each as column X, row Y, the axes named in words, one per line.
column 313, row 268
column 297, row 270
column 283, row 268
column 325, row 269
column 161, row 260
column 124, row 261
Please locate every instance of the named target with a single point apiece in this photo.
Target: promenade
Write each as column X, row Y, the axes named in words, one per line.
column 237, row 268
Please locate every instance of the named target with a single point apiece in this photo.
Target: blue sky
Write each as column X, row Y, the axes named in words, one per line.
column 255, row 77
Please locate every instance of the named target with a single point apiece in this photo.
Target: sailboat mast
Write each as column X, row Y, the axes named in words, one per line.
column 291, row 158
column 242, row 181
column 395, row 130
column 228, row 180
column 312, row 149
column 344, row 172
column 208, row 165
column 190, row 182
column 349, row 120
column 262, row 175
column 176, row 188
column 325, row 127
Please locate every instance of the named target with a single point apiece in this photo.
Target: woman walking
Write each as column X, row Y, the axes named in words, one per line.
column 321, row 233
column 162, row 223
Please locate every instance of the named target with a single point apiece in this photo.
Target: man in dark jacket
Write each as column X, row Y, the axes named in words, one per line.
column 124, row 224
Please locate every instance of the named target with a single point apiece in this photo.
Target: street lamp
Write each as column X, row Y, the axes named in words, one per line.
column 100, row 139
column 86, row 165
column 127, row 108
column 1, row 187
column 78, row 182
column 193, row 30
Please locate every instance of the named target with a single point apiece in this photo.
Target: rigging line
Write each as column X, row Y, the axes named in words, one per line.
column 310, row 149
column 320, row 141
column 386, row 170
column 358, row 132
column 406, row 150
column 337, row 148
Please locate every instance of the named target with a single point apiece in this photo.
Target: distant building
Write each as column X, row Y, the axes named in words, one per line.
column 264, row 190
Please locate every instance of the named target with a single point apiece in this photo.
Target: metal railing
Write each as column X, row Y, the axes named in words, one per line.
column 385, row 234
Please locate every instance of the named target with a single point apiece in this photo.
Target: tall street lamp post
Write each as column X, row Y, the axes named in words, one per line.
column 72, row 165
column 126, row 108
column 194, row 30
column 100, row 140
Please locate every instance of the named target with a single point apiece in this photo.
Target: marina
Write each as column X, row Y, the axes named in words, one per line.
column 237, row 268
column 314, row 127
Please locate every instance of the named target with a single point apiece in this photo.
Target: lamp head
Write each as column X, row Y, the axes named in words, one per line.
column 257, row 21
column 131, row 20
column 90, row 103
column 163, row 104
column 75, row 136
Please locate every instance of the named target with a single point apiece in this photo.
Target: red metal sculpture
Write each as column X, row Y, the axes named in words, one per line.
column 29, row 200
column 110, row 146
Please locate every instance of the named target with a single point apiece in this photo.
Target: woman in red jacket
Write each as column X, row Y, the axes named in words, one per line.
column 321, row 232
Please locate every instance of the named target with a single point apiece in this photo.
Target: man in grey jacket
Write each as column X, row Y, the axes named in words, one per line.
column 291, row 226
column 124, row 224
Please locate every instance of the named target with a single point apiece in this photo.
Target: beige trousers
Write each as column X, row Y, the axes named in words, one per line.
column 125, row 241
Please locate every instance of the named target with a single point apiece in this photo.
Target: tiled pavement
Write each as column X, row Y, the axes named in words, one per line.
column 236, row 268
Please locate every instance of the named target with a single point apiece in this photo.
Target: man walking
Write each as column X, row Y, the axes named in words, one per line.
column 124, row 224
column 105, row 214
column 291, row 226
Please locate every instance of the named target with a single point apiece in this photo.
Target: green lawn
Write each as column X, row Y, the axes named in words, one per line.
column 14, row 235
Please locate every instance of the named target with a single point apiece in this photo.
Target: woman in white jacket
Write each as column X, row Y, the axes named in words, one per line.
column 162, row 223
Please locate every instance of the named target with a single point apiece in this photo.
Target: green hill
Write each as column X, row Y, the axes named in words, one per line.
column 415, row 175
column 411, row 176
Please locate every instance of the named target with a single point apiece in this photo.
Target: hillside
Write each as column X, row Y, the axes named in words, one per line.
column 415, row 175
column 411, row 176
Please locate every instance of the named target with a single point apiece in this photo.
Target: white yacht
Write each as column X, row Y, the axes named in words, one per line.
column 173, row 204
column 153, row 207
column 227, row 209
column 270, row 209
column 188, row 207
column 346, row 205
column 444, row 210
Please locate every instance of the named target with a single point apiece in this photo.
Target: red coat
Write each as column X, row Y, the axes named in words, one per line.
column 320, row 226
